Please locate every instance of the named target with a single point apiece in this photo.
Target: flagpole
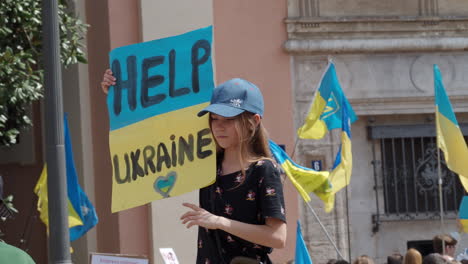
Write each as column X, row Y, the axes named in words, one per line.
column 324, row 230
column 295, row 146
column 439, row 176
column 441, row 199
column 347, row 220
column 439, row 170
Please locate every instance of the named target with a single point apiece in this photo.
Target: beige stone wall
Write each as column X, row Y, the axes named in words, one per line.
column 453, row 7
column 378, row 8
column 383, row 52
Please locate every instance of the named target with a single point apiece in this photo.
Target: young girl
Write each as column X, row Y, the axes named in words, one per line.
column 242, row 214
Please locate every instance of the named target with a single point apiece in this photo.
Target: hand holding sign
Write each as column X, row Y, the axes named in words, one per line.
column 159, row 148
column 107, row 81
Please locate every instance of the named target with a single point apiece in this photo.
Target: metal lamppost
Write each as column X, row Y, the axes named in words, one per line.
column 59, row 237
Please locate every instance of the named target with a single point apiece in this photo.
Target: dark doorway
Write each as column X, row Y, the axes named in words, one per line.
column 423, row 246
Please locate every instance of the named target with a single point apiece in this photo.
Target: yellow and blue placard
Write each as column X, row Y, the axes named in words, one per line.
column 159, row 147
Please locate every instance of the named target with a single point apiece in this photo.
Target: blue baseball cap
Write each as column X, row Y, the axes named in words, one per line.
column 234, row 97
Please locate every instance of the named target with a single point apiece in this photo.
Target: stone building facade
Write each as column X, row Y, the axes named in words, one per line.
column 383, row 51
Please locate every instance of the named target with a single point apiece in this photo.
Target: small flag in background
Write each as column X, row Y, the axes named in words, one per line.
column 302, row 254
column 449, row 136
column 81, row 213
column 326, row 109
column 305, row 180
column 463, row 214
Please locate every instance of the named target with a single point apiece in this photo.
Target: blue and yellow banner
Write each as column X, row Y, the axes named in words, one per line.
column 302, row 254
column 449, row 136
column 340, row 175
column 81, row 213
column 41, row 191
column 330, row 109
column 325, row 111
column 306, row 180
column 159, row 147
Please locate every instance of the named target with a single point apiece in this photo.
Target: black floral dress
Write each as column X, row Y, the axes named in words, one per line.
column 250, row 200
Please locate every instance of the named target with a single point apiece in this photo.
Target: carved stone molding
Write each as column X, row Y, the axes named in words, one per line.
column 309, row 8
column 398, row 105
column 315, row 35
column 428, row 7
column 414, row 105
column 385, row 83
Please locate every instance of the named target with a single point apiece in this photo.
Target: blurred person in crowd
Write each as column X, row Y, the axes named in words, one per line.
column 341, row 261
column 435, row 258
column 337, row 261
column 363, row 259
column 413, row 257
column 445, row 245
column 395, row 258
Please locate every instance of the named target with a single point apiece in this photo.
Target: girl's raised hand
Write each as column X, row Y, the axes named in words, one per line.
column 107, row 80
column 200, row 217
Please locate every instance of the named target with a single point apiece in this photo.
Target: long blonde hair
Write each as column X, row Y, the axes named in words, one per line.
column 252, row 137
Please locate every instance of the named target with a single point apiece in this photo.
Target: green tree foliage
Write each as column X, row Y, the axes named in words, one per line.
column 21, row 71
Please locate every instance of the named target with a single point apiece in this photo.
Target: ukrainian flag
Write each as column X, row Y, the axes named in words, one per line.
column 305, row 180
column 340, row 175
column 463, row 214
column 326, row 110
column 449, row 136
column 81, row 213
column 43, row 203
column 302, row 254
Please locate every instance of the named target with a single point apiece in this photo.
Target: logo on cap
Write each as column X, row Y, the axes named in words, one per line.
column 236, row 102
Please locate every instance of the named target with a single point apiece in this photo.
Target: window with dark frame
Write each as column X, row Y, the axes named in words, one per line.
column 410, row 177
column 406, row 174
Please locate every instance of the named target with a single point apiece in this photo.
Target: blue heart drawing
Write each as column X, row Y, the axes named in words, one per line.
column 164, row 184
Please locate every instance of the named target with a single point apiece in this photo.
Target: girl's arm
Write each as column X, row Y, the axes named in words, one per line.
column 271, row 234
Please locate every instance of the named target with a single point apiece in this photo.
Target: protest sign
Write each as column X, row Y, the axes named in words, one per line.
column 99, row 258
column 169, row 256
column 159, row 147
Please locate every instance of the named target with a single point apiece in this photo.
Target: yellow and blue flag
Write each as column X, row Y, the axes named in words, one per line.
column 302, row 254
column 81, row 213
column 340, row 175
column 330, row 109
column 449, row 136
column 306, row 180
column 326, row 109
column 463, row 214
